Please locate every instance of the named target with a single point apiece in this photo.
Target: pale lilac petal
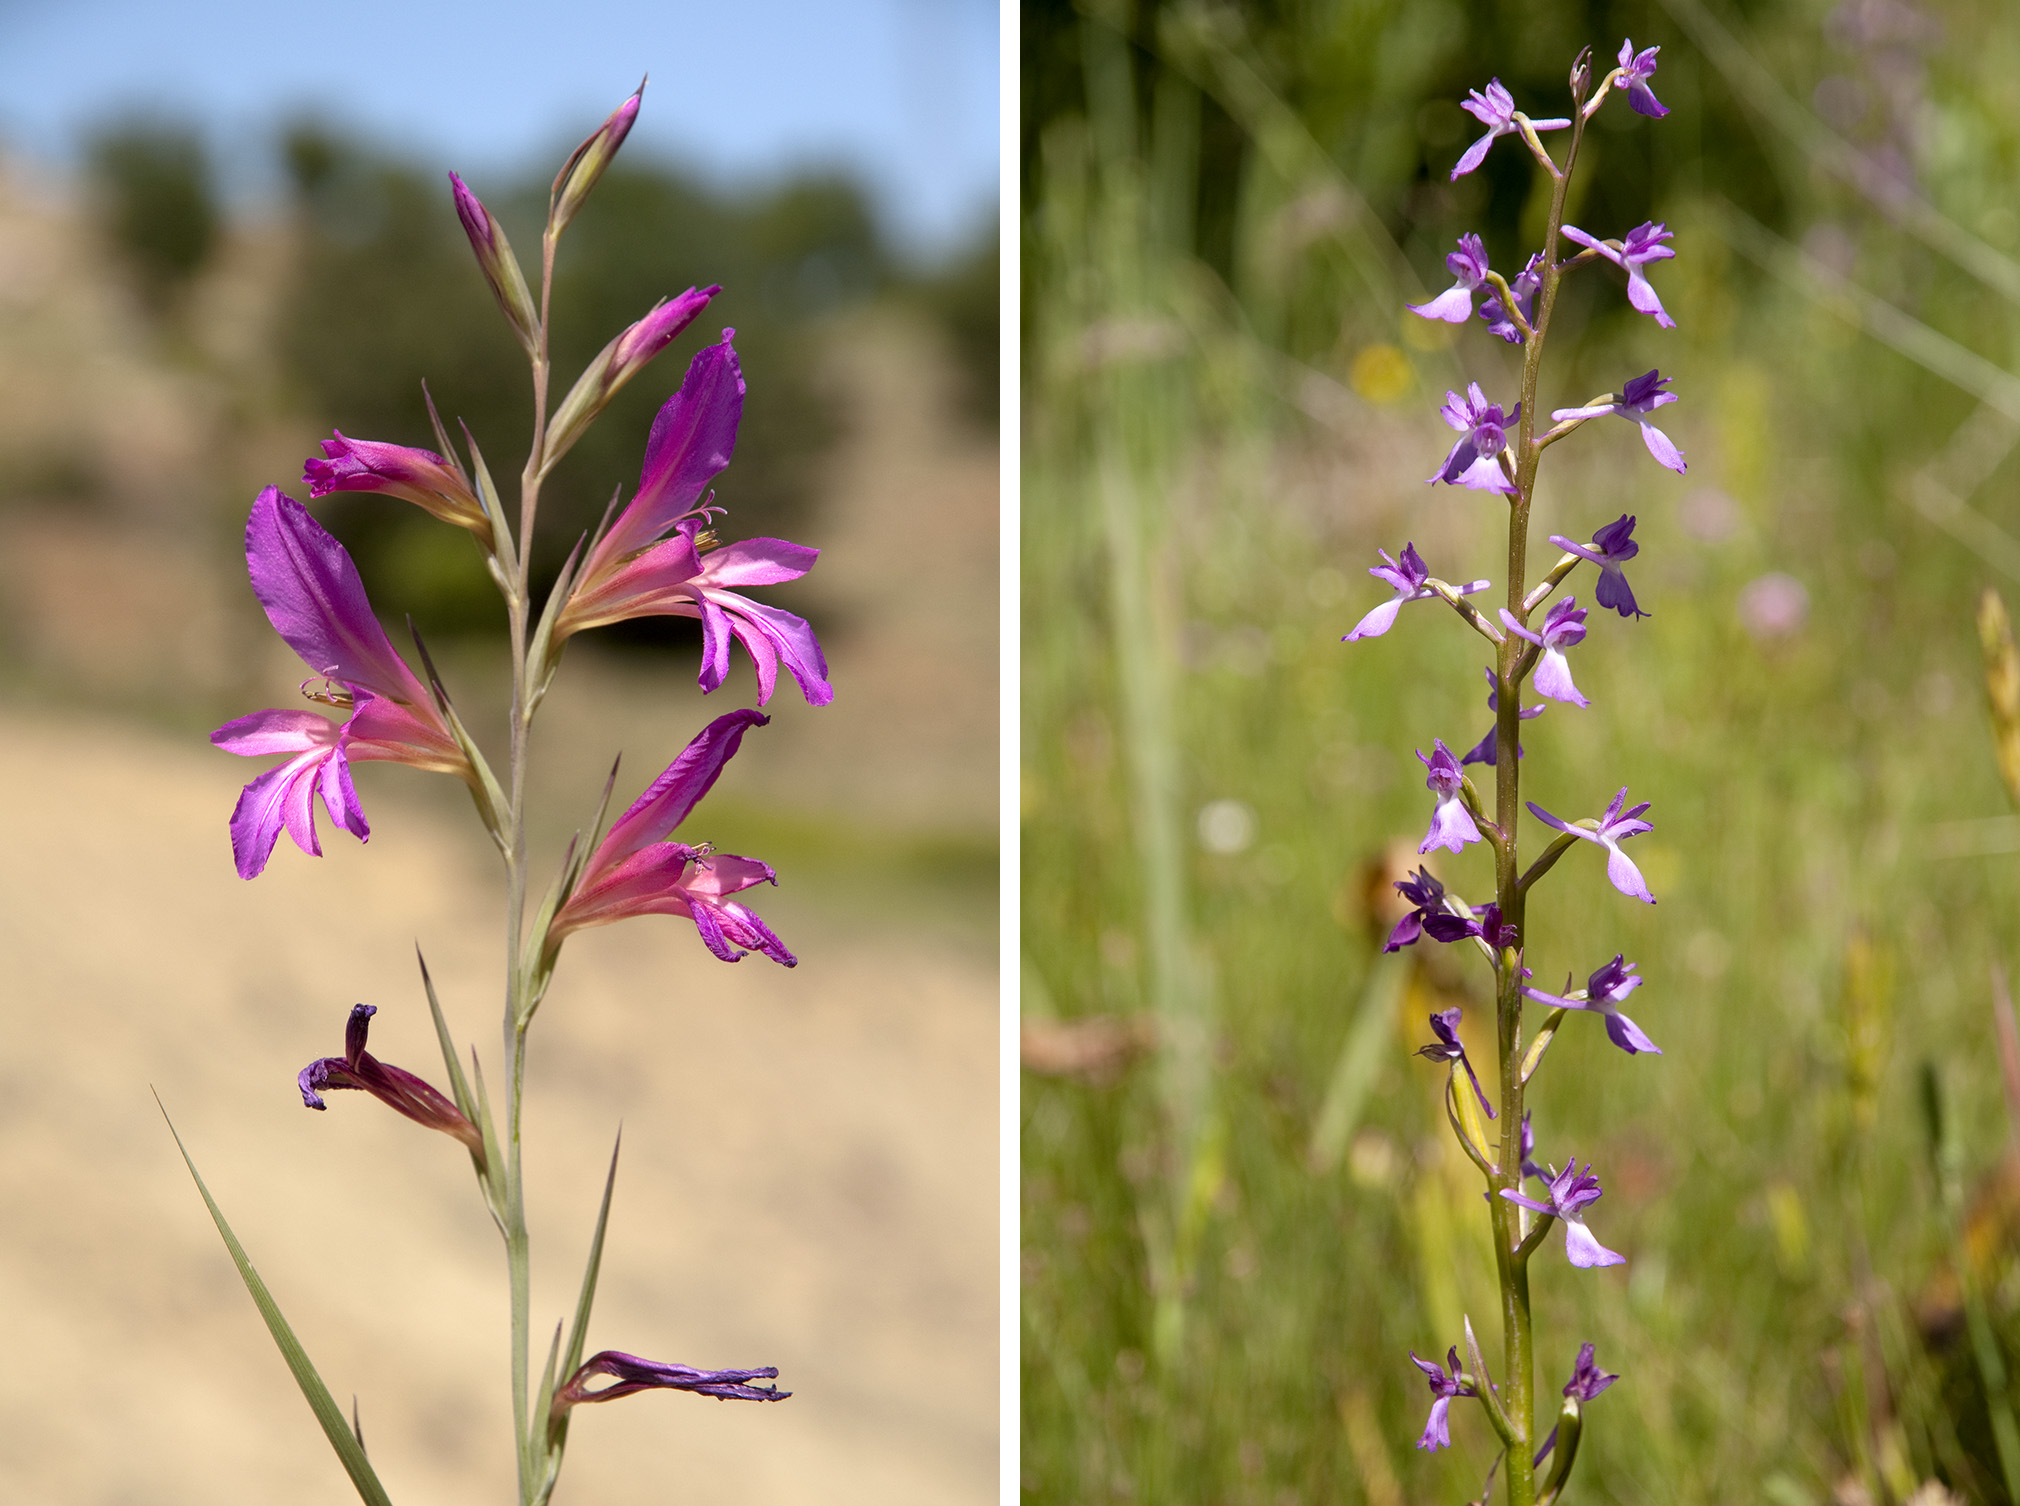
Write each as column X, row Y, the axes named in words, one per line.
column 1376, row 622
column 1553, row 678
column 1625, row 876
column 1583, row 1248
column 1528, row 1202
column 1451, row 826
column 1486, row 475
column 1590, row 242
column 1597, row 410
column 1454, row 306
column 1628, row 1036
column 1437, row 1428
column 1473, row 156
column 1641, row 293
column 669, row 798
column 1660, row 447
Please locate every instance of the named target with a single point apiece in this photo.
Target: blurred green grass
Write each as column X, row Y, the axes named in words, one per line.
column 1224, row 418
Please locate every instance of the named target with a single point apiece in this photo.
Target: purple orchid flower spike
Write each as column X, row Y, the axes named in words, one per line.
column 1571, row 1191
column 1643, row 244
column 397, row 1089
column 1524, row 287
column 1445, row 1385
column 1639, row 398
column 1611, row 547
column 1484, row 751
column 1495, row 109
column 1636, row 69
column 1445, row 1026
column 638, row 870
column 628, row 1373
column 1468, row 266
column 1475, row 461
column 1604, row 992
column 315, row 600
column 1563, row 627
column 1451, row 823
column 635, row 570
column 1615, row 827
column 419, row 476
column 1407, row 574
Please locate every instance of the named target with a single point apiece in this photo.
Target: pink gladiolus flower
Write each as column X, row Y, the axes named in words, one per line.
column 637, row 870
column 636, row 570
column 312, row 595
column 418, row 476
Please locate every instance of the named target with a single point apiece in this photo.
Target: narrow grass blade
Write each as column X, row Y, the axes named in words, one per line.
column 580, row 1331
column 349, row 1449
column 1359, row 1061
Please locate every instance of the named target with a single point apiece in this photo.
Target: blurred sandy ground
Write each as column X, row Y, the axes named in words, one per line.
column 809, row 1171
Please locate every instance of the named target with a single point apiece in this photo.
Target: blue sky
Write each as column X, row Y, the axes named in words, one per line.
column 904, row 92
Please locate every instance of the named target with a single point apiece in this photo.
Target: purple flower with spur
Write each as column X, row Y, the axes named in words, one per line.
column 413, row 475
column 1407, row 575
column 1484, row 751
column 1451, row 823
column 636, row 570
column 1571, row 1191
column 1639, row 398
column 1445, row 1384
column 1636, row 69
column 1495, row 109
column 1611, row 547
column 1469, row 266
column 629, row 1373
column 1524, row 287
column 1613, row 828
column 397, row 1089
column 1432, row 917
column 1483, row 434
column 639, row 870
column 315, row 600
column 1563, row 627
column 1445, row 1026
column 1605, row 991
column 1587, row 1379
column 1643, row 244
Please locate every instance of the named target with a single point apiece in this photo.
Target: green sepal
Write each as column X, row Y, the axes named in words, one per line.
column 1476, row 1362
column 349, row 1445
column 478, row 1113
column 1565, row 1454
column 487, row 493
column 487, row 793
column 1533, row 1058
column 540, row 655
column 1464, row 1113
column 1551, row 854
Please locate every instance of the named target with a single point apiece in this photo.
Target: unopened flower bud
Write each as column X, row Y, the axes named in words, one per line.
column 580, row 172
column 500, row 266
column 1581, row 76
column 617, row 363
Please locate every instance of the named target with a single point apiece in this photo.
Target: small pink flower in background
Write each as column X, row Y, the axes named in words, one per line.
column 1773, row 606
column 315, row 600
column 636, row 870
column 636, row 570
column 418, row 476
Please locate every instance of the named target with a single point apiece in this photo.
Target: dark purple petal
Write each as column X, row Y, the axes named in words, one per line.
column 1587, row 1379
column 629, row 1374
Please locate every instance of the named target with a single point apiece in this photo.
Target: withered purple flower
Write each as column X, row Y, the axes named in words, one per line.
column 1563, row 627
column 1643, row 244
column 1639, row 398
column 1407, row 574
column 1604, row 992
column 1468, row 266
column 1451, row 823
column 1445, row 1385
column 1475, row 461
column 1445, row 1026
column 1495, row 109
column 1613, row 828
column 628, row 1373
column 1611, row 547
column 1636, row 69
column 396, row 1088
column 1484, row 751
column 1571, row 1192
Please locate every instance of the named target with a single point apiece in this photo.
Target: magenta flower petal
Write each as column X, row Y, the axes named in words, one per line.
column 413, row 475
column 689, row 446
column 670, row 798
